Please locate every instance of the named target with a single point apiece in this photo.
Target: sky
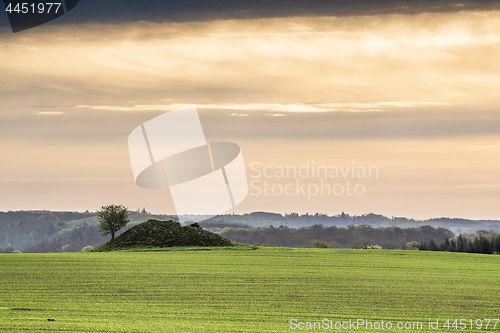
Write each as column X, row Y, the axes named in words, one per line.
column 409, row 89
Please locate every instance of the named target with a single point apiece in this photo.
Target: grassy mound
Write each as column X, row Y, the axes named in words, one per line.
column 159, row 234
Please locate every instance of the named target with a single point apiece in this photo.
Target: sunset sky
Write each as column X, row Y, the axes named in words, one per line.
column 413, row 90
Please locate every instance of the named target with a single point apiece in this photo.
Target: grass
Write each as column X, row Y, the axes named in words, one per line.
column 151, row 248
column 241, row 291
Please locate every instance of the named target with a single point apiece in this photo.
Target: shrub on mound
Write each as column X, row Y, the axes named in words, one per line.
column 154, row 233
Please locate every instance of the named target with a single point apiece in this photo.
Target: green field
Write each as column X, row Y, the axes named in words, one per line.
column 243, row 290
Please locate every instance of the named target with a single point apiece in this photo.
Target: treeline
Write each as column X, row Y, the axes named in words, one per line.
column 294, row 220
column 44, row 231
column 44, row 238
column 479, row 242
column 70, row 240
column 24, row 229
column 338, row 237
column 33, row 216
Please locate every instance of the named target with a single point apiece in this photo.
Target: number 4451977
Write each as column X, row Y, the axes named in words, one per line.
column 477, row 324
column 41, row 8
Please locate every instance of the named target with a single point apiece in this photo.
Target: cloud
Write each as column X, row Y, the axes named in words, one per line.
column 49, row 113
column 378, row 76
column 120, row 11
column 349, row 63
column 295, row 108
column 299, row 27
column 393, row 124
column 398, row 91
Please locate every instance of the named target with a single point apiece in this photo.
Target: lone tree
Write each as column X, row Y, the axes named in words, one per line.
column 112, row 218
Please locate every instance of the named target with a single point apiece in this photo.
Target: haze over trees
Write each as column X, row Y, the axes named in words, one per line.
column 354, row 237
column 294, row 220
column 52, row 231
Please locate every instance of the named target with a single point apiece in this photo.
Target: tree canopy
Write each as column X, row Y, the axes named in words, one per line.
column 112, row 218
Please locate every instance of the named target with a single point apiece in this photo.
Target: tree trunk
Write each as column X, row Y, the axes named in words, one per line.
column 112, row 235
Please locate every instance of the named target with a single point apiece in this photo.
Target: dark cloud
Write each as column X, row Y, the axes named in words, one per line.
column 116, row 11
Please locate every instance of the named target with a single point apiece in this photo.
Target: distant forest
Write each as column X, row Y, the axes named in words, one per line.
column 45, row 231
column 424, row 238
column 294, row 220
